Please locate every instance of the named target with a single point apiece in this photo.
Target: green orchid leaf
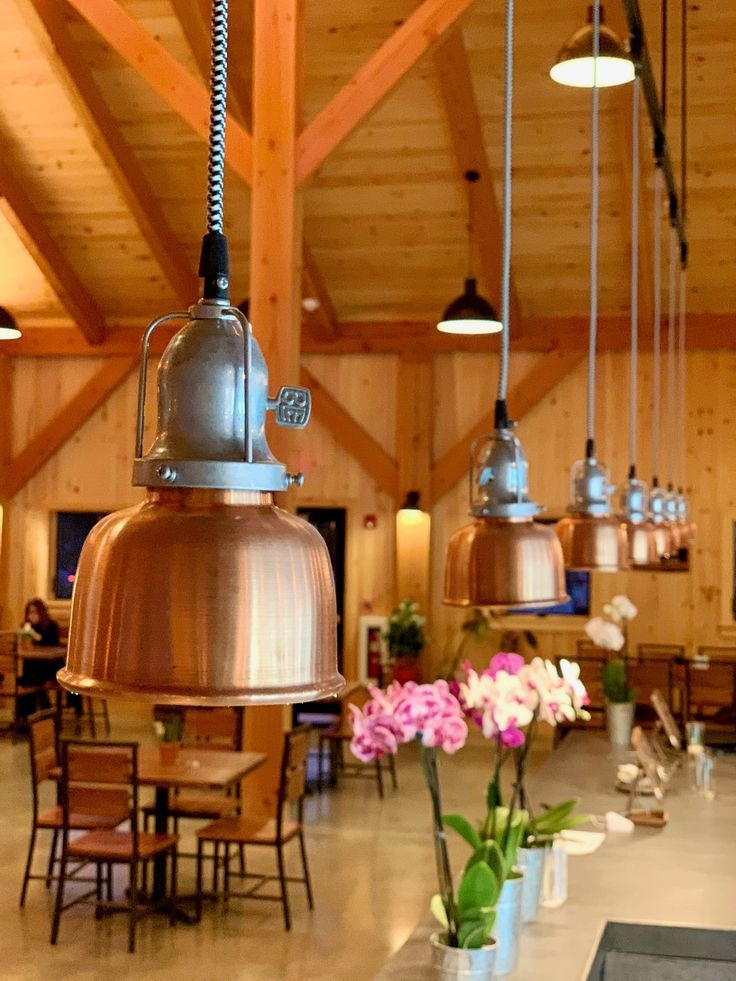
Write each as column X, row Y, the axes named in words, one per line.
column 474, row 933
column 478, row 892
column 464, row 828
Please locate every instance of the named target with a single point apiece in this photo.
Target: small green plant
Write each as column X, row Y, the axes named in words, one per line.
column 615, row 679
column 169, row 727
column 405, row 636
column 543, row 828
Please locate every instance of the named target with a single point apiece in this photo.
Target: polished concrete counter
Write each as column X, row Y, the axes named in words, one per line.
column 684, row 874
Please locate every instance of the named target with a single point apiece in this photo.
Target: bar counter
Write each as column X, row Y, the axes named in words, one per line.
column 684, row 874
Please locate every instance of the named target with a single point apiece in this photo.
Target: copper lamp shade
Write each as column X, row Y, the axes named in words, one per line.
column 662, row 528
column 206, row 593
column 503, row 559
column 633, row 509
column 592, row 538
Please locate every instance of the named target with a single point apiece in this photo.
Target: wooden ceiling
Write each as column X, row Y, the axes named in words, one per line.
column 103, row 181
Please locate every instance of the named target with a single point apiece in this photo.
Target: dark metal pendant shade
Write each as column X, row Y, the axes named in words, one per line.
column 470, row 313
column 207, row 594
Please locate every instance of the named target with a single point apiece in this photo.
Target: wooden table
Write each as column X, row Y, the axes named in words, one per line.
column 195, row 769
column 42, row 653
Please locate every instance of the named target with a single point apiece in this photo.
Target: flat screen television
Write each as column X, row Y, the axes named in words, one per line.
column 577, row 585
column 72, row 527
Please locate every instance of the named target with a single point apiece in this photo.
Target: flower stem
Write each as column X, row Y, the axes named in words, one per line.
column 444, row 875
column 519, row 790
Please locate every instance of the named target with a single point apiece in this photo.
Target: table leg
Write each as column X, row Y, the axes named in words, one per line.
column 159, row 861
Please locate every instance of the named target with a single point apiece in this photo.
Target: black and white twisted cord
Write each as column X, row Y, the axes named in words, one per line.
column 218, row 116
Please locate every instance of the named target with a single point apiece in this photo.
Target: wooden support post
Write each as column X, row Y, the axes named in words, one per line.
column 275, row 266
column 414, row 419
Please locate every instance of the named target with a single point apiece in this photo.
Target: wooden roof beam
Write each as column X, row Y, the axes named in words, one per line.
column 47, row 19
column 466, row 135
column 64, row 424
column 374, row 80
column 533, row 387
column 184, row 93
column 31, row 229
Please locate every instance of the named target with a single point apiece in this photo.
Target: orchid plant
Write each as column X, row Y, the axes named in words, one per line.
column 507, row 700
column 610, row 632
column 432, row 715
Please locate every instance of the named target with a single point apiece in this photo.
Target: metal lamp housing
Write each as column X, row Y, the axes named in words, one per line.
column 207, row 593
column 592, row 538
column 470, row 313
column 575, row 64
column 504, row 558
column 633, row 509
column 662, row 528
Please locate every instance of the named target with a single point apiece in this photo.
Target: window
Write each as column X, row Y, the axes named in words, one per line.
column 72, row 528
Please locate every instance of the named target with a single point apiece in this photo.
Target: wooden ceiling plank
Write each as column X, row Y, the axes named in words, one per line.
column 47, row 20
column 62, row 426
column 31, row 229
column 352, row 437
column 466, row 135
column 536, row 384
column 184, row 93
column 374, row 80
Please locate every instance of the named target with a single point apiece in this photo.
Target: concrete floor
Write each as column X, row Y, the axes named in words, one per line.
column 373, row 873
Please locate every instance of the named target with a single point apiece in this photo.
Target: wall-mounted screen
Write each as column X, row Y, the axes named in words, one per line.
column 72, row 528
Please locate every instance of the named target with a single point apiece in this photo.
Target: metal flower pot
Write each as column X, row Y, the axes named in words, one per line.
column 462, row 963
column 507, row 929
column 531, row 860
column 620, row 720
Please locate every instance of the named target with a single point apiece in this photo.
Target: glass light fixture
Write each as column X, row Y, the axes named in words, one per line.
column 9, row 330
column 633, row 494
column 592, row 537
column 503, row 559
column 578, row 67
column 470, row 313
column 206, row 593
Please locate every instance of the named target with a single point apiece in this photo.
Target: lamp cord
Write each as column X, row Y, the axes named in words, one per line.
column 682, row 387
column 503, row 374
column 634, row 357
column 657, row 323
column 671, row 333
column 594, row 158
column 218, row 116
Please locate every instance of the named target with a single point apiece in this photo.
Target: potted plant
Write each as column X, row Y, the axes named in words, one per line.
column 405, row 640
column 610, row 633
column 620, row 701
column 432, row 715
column 169, row 727
column 534, row 853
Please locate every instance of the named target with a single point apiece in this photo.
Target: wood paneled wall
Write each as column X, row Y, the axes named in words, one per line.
column 93, row 472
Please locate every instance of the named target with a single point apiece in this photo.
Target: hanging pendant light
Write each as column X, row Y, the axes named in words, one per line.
column 206, row 593
column 470, row 313
column 503, row 559
column 579, row 67
column 633, row 494
column 670, row 500
column 592, row 537
column 9, row 330
column 658, row 496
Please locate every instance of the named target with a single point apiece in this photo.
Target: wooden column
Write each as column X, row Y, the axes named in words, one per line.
column 414, row 415
column 275, row 272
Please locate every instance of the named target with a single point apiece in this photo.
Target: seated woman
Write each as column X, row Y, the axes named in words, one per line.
column 44, row 632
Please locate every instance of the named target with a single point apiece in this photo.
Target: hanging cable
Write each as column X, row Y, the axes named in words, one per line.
column 214, row 264
column 657, row 325
column 502, row 420
column 594, row 156
column 634, row 357
column 683, row 115
column 671, row 375
column 682, row 385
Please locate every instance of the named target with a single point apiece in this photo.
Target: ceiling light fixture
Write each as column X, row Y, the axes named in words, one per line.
column 592, row 537
column 9, row 330
column 633, row 494
column 503, row 559
column 578, row 66
column 206, row 593
column 470, row 313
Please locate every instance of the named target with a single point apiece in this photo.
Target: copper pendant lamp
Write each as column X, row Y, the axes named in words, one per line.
column 633, row 494
column 592, row 537
column 207, row 593
column 503, row 559
column 578, row 66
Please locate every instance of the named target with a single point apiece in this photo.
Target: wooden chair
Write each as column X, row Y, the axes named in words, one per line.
column 206, row 728
column 336, row 736
column 660, row 652
column 11, row 690
column 101, row 780
column 647, row 676
column 711, row 685
column 43, row 734
column 274, row 833
column 591, row 660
